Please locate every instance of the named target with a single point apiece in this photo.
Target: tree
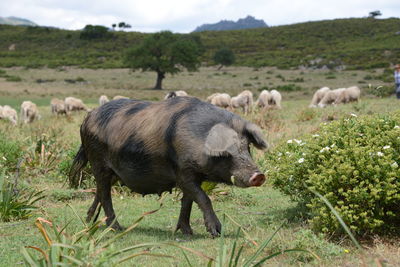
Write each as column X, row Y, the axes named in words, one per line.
column 94, row 32
column 165, row 52
column 224, row 57
column 374, row 14
column 114, row 25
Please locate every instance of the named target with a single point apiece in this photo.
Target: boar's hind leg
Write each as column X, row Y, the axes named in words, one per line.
column 104, row 180
column 96, row 203
column 203, row 201
column 184, row 216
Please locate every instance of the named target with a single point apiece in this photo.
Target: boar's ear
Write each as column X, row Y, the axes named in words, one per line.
column 254, row 133
column 221, row 141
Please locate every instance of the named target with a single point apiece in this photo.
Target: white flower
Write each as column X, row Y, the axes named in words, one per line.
column 279, row 154
column 333, row 145
column 315, row 135
column 396, row 127
column 290, row 141
column 386, row 147
column 354, row 115
column 394, row 165
column 297, row 141
column 287, row 153
column 304, row 154
column 301, row 160
column 379, row 154
column 325, row 149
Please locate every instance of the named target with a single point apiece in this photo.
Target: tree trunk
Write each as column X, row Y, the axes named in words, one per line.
column 160, row 77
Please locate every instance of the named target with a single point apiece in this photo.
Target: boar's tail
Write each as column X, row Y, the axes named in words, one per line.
column 76, row 172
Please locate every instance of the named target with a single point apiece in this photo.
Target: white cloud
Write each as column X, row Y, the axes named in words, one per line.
column 185, row 15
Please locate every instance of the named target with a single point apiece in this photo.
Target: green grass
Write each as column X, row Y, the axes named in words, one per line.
column 260, row 211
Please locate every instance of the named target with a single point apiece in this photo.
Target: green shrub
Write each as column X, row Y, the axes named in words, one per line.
column 289, row 88
column 10, row 78
column 381, row 91
column 354, row 163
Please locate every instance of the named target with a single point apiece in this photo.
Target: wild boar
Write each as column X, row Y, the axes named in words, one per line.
column 154, row 147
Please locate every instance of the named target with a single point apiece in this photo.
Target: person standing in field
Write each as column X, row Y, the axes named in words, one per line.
column 397, row 80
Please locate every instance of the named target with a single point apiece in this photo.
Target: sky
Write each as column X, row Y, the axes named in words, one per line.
column 185, row 15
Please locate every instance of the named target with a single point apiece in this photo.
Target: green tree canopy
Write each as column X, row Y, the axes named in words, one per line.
column 224, row 57
column 165, row 52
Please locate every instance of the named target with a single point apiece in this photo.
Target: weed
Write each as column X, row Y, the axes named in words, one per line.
column 16, row 203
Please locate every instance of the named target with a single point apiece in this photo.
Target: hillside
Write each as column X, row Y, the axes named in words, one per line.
column 248, row 22
column 355, row 43
column 16, row 21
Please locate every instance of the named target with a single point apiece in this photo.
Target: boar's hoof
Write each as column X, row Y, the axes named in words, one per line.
column 185, row 228
column 117, row 227
column 214, row 228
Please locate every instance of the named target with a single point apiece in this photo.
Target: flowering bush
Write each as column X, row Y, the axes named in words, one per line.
column 354, row 163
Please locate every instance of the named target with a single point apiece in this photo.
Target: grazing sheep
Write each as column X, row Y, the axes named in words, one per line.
column 318, row 95
column 103, row 99
column 275, row 100
column 57, row 106
column 72, row 104
column 243, row 100
column 175, row 94
column 264, row 99
column 8, row 113
column 120, row 97
column 330, row 97
column 220, row 100
column 350, row 94
column 29, row 112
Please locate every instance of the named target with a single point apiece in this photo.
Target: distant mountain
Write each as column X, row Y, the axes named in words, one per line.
column 248, row 22
column 16, row 21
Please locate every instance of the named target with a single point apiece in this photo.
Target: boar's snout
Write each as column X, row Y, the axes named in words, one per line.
column 257, row 179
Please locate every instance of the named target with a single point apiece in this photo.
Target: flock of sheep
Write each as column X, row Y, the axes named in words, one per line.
column 325, row 96
column 266, row 100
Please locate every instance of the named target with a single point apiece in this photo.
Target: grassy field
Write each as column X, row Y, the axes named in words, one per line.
column 259, row 211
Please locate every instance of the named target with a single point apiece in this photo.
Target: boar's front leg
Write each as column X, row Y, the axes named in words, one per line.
column 184, row 216
column 194, row 191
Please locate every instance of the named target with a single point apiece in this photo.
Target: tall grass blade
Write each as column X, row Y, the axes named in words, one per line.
column 261, row 248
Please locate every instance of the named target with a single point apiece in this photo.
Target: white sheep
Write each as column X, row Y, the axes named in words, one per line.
column 57, row 106
column 29, row 112
column 263, row 99
column 243, row 100
column 120, row 97
column 350, row 94
column 103, row 99
column 330, row 97
column 72, row 104
column 221, row 100
column 276, row 99
column 175, row 94
column 318, row 95
column 8, row 113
